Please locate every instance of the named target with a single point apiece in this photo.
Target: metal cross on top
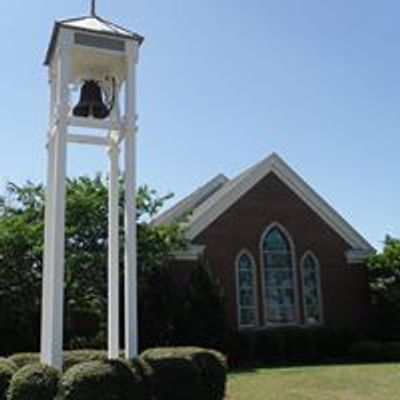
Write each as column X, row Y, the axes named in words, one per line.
column 93, row 7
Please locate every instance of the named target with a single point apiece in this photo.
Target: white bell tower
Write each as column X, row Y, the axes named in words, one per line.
column 99, row 58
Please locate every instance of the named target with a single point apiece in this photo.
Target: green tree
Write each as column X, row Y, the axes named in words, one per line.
column 21, row 248
column 201, row 320
column 384, row 281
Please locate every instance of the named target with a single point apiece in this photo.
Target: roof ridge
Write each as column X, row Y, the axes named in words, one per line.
column 113, row 24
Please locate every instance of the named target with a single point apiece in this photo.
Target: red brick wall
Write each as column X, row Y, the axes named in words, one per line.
column 344, row 287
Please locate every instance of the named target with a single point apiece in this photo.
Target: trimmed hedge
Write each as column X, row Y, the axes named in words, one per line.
column 366, row 350
column 7, row 370
column 22, row 359
column 288, row 345
column 213, row 370
column 71, row 358
column 8, row 363
column 102, row 380
column 173, row 377
column 391, row 351
column 178, row 373
column 74, row 357
column 186, row 372
column 34, row 381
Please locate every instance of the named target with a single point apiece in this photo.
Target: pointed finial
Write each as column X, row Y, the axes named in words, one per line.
column 93, row 8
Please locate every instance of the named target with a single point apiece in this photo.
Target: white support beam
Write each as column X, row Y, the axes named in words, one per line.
column 106, row 124
column 131, row 306
column 113, row 255
column 88, row 139
column 53, row 280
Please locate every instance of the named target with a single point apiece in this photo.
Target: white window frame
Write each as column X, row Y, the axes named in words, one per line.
column 245, row 252
column 309, row 253
column 292, row 250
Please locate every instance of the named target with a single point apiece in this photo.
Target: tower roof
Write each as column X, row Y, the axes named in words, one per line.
column 93, row 24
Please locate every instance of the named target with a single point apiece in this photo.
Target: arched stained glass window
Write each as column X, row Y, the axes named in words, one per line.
column 311, row 289
column 278, row 275
column 246, row 291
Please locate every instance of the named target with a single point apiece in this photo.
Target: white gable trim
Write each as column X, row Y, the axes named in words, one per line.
column 193, row 253
column 219, row 203
column 187, row 204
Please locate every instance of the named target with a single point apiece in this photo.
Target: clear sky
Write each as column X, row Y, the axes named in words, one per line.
column 223, row 83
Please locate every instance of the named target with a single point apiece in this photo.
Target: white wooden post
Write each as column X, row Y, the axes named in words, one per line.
column 113, row 254
column 53, row 279
column 131, row 306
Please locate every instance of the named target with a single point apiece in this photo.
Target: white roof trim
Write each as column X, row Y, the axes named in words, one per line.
column 97, row 24
column 192, row 253
column 217, row 204
column 358, row 256
column 187, row 204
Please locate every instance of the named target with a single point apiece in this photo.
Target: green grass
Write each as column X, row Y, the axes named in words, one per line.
column 330, row 382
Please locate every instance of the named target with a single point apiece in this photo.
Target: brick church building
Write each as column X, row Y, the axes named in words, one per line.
column 282, row 255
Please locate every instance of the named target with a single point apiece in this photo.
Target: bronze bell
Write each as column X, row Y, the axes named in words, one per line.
column 91, row 102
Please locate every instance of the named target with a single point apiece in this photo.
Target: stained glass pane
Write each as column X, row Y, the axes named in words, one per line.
column 281, row 278
column 280, row 314
column 245, row 278
column 247, row 310
column 275, row 241
column 278, row 278
column 311, row 292
column 246, row 297
column 247, row 316
column 277, row 260
column 245, row 262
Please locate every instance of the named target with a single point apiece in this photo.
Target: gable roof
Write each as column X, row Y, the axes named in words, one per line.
column 191, row 202
column 93, row 24
column 207, row 211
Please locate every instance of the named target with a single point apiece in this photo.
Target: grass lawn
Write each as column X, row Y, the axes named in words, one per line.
column 329, row 382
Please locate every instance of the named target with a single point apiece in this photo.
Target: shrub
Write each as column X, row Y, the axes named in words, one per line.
column 8, row 363
column 142, row 372
column 74, row 357
column 241, row 348
column 102, row 380
column 173, row 376
column 212, row 366
column 34, row 381
column 391, row 351
column 22, row 359
column 71, row 358
column 366, row 351
column 270, row 346
column 6, row 372
column 300, row 345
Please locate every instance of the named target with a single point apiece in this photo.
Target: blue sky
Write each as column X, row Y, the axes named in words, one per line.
column 224, row 83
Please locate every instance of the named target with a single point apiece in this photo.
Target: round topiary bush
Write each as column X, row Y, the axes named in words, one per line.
column 8, row 363
column 34, row 381
column 173, row 375
column 211, row 364
column 213, row 369
column 7, row 370
column 142, row 372
column 22, row 359
column 74, row 357
column 101, row 380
